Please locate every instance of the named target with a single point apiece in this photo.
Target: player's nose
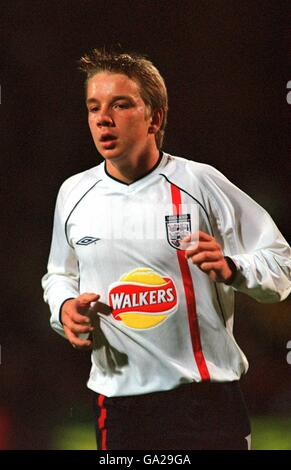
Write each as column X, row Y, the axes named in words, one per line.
column 104, row 119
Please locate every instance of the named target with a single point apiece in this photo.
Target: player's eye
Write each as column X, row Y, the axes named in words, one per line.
column 94, row 109
column 121, row 105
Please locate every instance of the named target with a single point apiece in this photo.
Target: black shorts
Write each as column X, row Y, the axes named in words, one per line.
column 192, row 416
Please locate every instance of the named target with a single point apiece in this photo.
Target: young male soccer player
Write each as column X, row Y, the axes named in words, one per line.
column 147, row 252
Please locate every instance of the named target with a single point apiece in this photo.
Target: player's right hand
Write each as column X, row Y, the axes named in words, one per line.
column 75, row 319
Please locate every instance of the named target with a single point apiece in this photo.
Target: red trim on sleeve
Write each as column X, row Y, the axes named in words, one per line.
column 190, row 295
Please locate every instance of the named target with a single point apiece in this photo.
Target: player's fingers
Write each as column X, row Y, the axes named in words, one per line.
column 81, row 319
column 192, row 237
column 211, row 266
column 203, row 236
column 83, row 326
column 84, row 300
column 70, row 315
column 197, row 236
column 201, row 246
column 205, row 256
column 84, row 346
column 77, row 328
column 99, row 307
column 187, row 239
column 77, row 342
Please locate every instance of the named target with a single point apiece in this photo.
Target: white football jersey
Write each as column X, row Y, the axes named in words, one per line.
column 168, row 324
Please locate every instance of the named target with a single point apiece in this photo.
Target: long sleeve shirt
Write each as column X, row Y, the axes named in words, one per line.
column 169, row 323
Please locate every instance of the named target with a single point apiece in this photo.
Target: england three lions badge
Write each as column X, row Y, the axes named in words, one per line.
column 177, row 227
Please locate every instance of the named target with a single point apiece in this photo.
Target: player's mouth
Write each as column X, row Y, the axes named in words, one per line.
column 108, row 140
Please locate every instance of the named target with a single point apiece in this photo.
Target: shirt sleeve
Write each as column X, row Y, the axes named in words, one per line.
column 252, row 240
column 61, row 281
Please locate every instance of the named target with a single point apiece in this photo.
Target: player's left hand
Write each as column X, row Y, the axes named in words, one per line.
column 207, row 255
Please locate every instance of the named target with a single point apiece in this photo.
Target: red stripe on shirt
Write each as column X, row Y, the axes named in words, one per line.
column 190, row 295
column 101, row 422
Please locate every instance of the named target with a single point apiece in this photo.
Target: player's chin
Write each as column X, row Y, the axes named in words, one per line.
column 112, row 154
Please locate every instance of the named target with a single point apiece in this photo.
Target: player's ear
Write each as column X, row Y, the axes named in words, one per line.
column 156, row 121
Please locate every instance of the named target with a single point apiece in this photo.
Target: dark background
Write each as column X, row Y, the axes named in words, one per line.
column 226, row 65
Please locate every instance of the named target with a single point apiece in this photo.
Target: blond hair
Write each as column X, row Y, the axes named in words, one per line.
column 137, row 67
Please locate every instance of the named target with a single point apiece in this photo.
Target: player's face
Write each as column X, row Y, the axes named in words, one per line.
column 118, row 118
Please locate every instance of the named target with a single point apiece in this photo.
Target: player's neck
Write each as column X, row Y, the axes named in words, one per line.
column 128, row 171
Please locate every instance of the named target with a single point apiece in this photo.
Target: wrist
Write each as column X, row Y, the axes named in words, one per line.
column 61, row 308
column 232, row 266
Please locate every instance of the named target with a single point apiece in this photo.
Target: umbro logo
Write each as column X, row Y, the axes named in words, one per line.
column 87, row 240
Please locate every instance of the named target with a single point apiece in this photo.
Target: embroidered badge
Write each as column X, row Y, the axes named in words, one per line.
column 178, row 227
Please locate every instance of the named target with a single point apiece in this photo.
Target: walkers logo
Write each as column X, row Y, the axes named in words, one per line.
column 142, row 298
